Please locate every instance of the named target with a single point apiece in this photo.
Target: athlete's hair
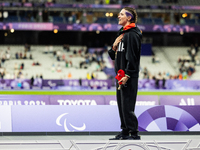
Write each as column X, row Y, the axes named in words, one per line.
column 133, row 12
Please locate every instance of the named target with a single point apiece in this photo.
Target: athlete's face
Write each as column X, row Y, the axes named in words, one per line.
column 123, row 19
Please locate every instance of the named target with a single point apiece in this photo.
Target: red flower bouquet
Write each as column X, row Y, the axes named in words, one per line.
column 119, row 76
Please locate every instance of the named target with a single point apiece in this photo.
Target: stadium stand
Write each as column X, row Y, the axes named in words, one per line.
column 101, row 20
column 137, row 2
column 50, row 68
column 173, row 54
column 94, row 16
column 57, row 19
column 186, row 2
column 190, row 21
column 12, row 19
column 147, row 21
column 46, row 61
column 145, row 17
column 113, row 20
column 158, row 21
column 161, row 64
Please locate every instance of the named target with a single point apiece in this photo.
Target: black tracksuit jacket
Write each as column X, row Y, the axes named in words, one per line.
column 128, row 59
column 128, row 52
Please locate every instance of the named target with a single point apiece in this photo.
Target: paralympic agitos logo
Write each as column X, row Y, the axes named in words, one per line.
column 65, row 125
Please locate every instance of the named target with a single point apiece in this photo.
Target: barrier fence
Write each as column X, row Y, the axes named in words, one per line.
column 103, row 118
column 95, row 27
column 143, row 84
column 142, row 100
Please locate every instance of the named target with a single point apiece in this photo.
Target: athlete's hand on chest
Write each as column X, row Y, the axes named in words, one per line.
column 117, row 41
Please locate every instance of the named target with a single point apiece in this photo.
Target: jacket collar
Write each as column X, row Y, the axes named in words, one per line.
column 132, row 25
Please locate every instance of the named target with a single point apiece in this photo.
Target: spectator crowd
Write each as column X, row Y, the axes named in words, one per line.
column 88, row 56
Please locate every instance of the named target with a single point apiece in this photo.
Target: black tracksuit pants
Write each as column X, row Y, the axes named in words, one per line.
column 126, row 99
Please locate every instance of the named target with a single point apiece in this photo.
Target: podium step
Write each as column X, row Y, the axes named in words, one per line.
column 54, row 144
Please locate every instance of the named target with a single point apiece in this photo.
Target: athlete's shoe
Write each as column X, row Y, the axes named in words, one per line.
column 132, row 137
column 119, row 136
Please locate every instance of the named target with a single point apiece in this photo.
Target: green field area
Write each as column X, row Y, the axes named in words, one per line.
column 95, row 93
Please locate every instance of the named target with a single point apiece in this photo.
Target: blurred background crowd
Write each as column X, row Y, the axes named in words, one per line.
column 71, row 54
column 149, row 11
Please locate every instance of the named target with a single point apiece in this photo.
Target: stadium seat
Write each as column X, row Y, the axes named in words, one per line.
column 66, row 20
column 23, row 19
column 46, row 61
column 158, row 21
column 11, row 19
column 57, row 19
column 190, row 21
column 198, row 21
column 113, row 20
column 147, row 21
column 101, row 20
column 110, row 71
